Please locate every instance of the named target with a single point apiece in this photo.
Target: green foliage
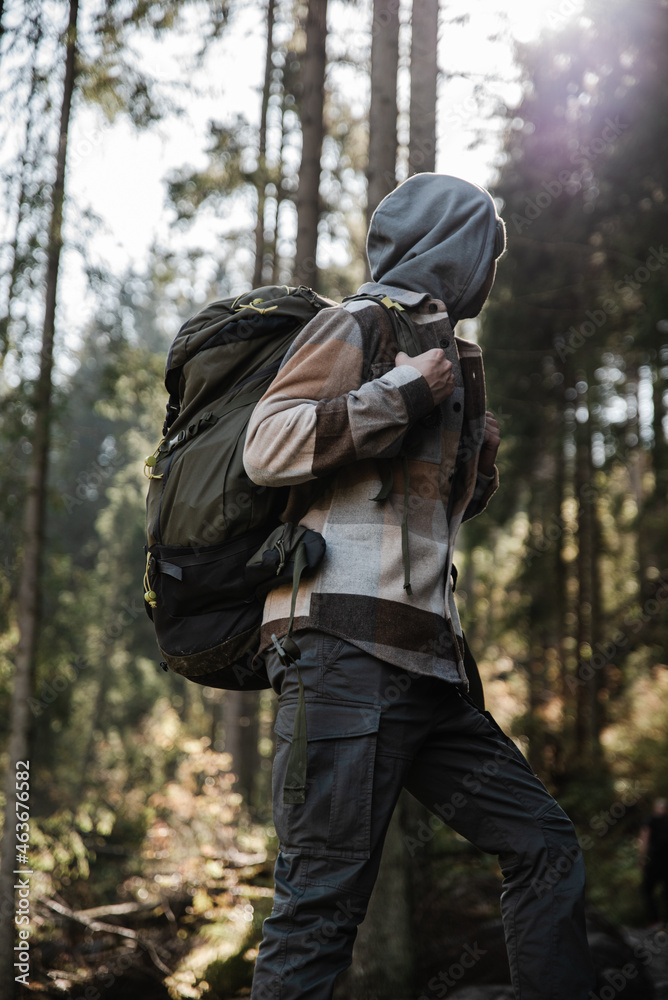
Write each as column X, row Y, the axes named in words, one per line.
column 112, row 76
column 226, row 977
column 229, row 168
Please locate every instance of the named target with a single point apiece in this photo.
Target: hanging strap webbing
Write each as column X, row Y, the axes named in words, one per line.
column 294, row 788
column 405, row 554
column 387, row 481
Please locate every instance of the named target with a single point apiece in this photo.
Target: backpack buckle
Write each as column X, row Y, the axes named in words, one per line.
column 176, row 441
column 287, row 651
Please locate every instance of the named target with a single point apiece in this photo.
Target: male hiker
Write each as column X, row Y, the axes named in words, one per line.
column 386, row 454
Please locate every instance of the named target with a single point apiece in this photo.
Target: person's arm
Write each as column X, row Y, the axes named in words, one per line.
column 488, row 477
column 490, row 446
column 319, row 415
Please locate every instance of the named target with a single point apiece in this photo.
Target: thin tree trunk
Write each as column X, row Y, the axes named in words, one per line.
column 659, row 446
column 424, row 82
column 231, row 715
column 312, row 103
column 569, row 458
column 240, row 721
column 95, row 719
column 275, row 256
column 280, row 198
column 560, row 570
column 586, row 675
column 597, row 636
column 33, row 542
column 637, row 468
column 538, row 514
column 22, row 207
column 250, row 753
column 382, row 167
column 14, row 268
column 262, row 154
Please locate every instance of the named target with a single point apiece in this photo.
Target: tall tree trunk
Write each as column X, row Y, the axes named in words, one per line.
column 240, row 721
column 568, row 578
column 659, row 445
column 232, row 710
column 585, row 734
column 312, row 103
column 28, row 156
column 262, row 153
column 96, row 717
column 597, row 636
column 29, row 592
column 538, row 511
column 554, row 587
column 382, row 167
column 275, row 255
column 250, row 753
column 560, row 571
column 424, row 82
column 14, row 268
column 637, row 468
column 280, row 199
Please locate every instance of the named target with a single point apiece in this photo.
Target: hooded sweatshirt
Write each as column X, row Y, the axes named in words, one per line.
column 385, row 476
column 438, row 235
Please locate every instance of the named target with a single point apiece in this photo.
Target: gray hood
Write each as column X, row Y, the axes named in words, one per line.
column 437, row 235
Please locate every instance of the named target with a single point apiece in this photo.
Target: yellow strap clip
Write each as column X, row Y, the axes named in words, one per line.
column 254, row 305
column 391, row 304
column 150, row 462
column 257, row 308
column 149, row 594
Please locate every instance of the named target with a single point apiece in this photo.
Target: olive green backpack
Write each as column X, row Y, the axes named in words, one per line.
column 215, row 544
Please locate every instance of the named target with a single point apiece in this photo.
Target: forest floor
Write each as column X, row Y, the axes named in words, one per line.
column 202, row 946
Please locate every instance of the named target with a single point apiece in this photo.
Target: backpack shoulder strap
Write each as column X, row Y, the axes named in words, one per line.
column 400, row 317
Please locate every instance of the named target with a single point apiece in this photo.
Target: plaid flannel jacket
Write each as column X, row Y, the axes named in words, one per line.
column 335, row 425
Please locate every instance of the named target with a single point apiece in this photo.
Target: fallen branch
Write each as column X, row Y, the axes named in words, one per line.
column 98, row 926
column 116, row 910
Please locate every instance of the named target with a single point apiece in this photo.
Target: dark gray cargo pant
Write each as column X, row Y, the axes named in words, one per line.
column 373, row 729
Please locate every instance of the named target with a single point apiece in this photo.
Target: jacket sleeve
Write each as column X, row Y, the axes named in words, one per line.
column 485, row 488
column 320, row 414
